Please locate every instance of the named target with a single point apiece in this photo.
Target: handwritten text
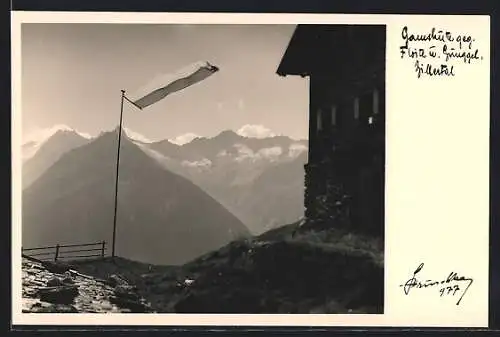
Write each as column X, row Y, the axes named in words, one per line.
column 438, row 53
column 450, row 286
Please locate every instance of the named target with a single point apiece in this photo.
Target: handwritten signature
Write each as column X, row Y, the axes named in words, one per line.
column 447, row 287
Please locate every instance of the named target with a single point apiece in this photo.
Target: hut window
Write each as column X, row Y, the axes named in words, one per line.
column 375, row 102
column 334, row 115
column 319, row 121
column 356, row 108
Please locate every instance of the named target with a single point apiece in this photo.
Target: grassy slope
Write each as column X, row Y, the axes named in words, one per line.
column 310, row 272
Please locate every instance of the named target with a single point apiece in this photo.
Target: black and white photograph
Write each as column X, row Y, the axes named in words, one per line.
column 203, row 168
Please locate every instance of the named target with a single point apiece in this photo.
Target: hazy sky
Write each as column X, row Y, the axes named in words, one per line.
column 72, row 74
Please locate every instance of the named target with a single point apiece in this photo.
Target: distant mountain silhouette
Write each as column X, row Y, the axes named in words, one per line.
column 163, row 218
column 234, row 170
column 49, row 152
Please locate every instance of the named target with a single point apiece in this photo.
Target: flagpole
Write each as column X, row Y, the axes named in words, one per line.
column 205, row 70
column 117, row 170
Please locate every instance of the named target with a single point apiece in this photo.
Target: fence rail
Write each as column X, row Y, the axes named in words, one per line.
column 60, row 252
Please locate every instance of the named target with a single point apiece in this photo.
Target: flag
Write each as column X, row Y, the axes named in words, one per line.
column 169, row 84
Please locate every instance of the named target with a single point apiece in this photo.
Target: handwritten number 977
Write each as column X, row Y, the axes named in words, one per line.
column 449, row 290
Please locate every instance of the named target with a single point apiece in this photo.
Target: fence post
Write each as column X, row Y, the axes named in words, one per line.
column 57, row 253
column 103, row 248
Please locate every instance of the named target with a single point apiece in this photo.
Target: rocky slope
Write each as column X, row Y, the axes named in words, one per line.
column 59, row 288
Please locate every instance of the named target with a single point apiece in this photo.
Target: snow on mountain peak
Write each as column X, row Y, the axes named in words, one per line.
column 37, row 138
column 255, row 131
column 203, row 163
column 184, row 139
column 245, row 153
column 41, row 135
column 136, row 136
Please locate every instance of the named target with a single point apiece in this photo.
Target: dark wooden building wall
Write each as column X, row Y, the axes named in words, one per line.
column 346, row 171
column 345, row 175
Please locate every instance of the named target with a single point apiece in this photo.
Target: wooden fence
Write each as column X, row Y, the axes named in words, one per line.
column 67, row 252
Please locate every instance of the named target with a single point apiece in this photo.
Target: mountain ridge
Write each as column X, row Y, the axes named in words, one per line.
column 49, row 152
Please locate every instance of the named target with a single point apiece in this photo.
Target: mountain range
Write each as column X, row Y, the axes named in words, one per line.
column 260, row 180
column 163, row 218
